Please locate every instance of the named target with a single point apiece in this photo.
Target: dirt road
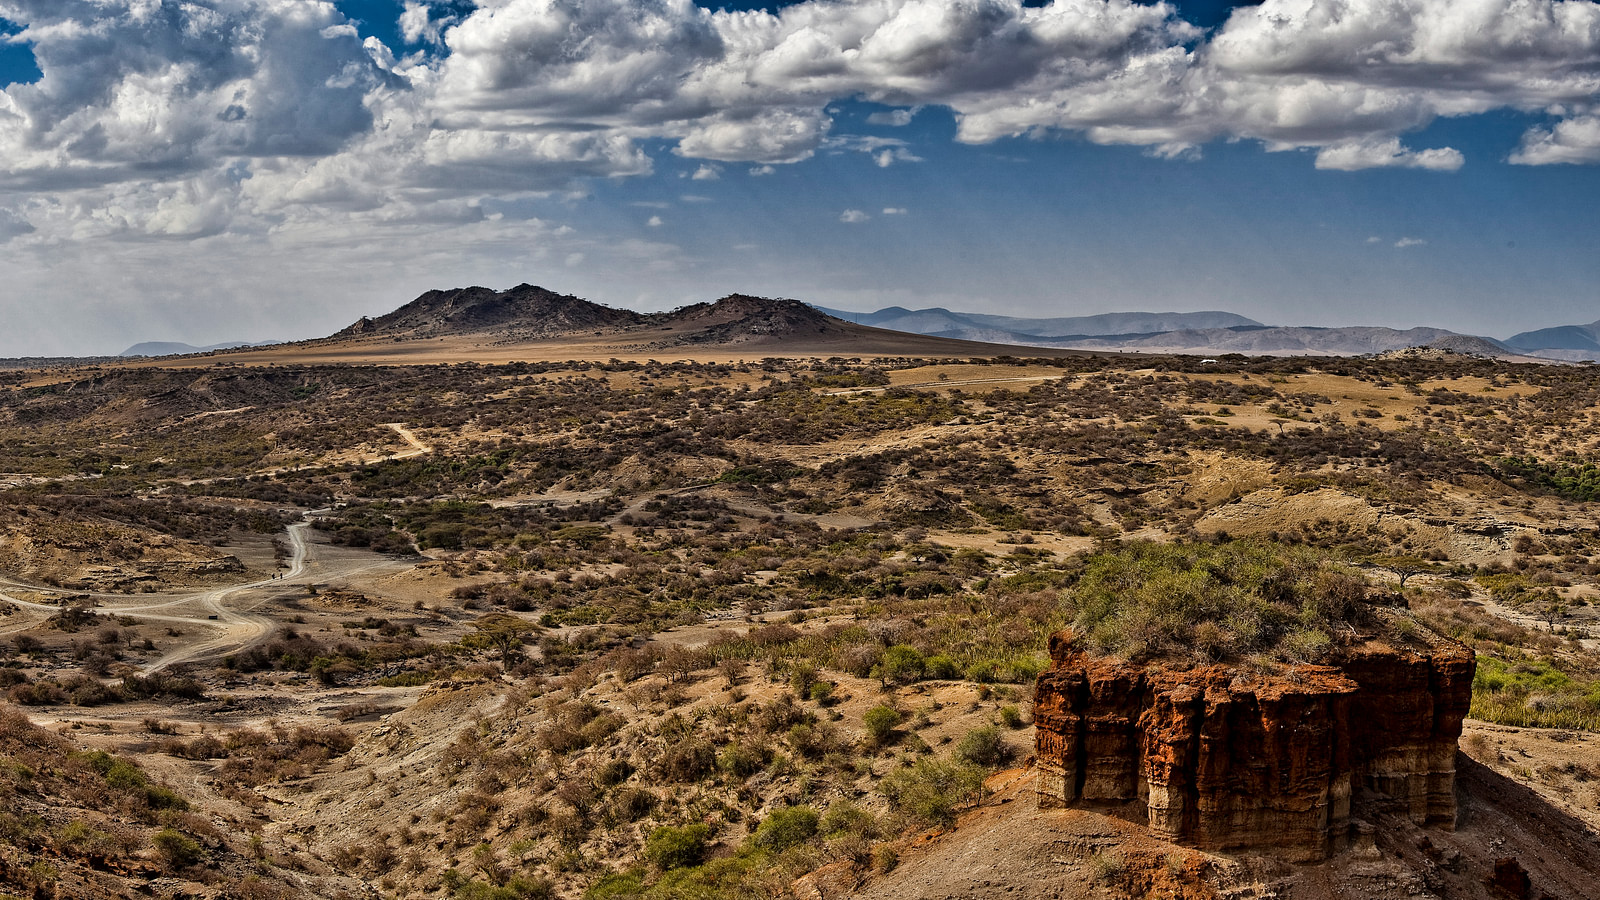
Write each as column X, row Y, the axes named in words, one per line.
column 226, row 619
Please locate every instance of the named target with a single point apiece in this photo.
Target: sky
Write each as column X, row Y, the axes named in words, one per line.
column 230, row 170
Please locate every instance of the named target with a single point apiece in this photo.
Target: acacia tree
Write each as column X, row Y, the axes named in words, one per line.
column 502, row 631
column 1404, row 566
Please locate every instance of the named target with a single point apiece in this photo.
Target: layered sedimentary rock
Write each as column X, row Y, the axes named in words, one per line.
column 1223, row 758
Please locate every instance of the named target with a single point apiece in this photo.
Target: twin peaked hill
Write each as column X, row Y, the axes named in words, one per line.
column 528, row 314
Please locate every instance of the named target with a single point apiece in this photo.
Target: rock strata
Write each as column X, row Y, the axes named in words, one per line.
column 1222, row 758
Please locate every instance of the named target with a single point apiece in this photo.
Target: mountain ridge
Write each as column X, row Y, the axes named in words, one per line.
column 178, row 348
column 1218, row 331
column 1560, row 337
column 530, row 313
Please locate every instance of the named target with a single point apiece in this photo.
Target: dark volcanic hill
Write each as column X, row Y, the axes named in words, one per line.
column 525, row 311
column 740, row 318
column 530, row 313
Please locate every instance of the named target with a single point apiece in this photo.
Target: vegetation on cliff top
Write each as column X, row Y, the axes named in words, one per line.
column 1215, row 602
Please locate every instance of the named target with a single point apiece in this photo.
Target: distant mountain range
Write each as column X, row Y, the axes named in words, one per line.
column 528, row 314
column 1571, row 342
column 174, row 348
column 1220, row 332
column 941, row 322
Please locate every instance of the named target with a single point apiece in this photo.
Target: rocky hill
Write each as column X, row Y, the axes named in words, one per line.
column 528, row 312
column 525, row 311
column 1290, row 340
column 740, row 318
column 1212, row 332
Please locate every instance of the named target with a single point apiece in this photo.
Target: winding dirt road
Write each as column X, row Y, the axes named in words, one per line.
column 228, row 614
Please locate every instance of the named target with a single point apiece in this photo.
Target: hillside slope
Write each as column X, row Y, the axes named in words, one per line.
column 89, row 825
column 523, row 311
column 1011, row 847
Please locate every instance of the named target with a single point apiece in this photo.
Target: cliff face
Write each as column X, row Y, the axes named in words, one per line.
column 1222, row 759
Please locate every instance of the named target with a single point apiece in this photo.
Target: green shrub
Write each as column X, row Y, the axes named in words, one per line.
column 178, row 849
column 901, row 664
column 983, row 747
column 123, row 775
column 741, row 760
column 673, row 848
column 880, row 721
column 1534, row 694
column 802, row 675
column 845, row 817
column 786, row 827
column 518, row 888
column 1010, row 716
column 942, row 667
column 932, row 790
column 982, row 671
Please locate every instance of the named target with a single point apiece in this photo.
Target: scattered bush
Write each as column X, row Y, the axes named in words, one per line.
column 983, row 747
column 178, row 849
column 880, row 722
column 932, row 790
column 786, row 827
column 668, row 847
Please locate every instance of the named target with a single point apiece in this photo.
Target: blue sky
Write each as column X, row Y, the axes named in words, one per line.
column 1085, row 157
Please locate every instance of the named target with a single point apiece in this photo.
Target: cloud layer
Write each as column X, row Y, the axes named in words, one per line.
column 272, row 120
column 202, row 116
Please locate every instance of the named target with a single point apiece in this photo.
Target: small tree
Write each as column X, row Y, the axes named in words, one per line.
column 1404, row 566
column 502, row 631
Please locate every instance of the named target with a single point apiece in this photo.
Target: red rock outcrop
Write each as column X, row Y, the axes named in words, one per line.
column 1222, row 758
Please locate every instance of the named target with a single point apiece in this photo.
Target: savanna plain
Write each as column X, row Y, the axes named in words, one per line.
column 757, row 627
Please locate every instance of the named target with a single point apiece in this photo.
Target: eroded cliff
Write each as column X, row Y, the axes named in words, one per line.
column 1229, row 757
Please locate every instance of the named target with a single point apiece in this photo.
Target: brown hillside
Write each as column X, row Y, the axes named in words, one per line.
column 1010, row 847
column 525, row 311
column 739, row 318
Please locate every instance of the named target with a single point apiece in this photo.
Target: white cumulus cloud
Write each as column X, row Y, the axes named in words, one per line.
column 272, row 120
column 854, row 216
column 1573, row 140
column 1353, row 155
